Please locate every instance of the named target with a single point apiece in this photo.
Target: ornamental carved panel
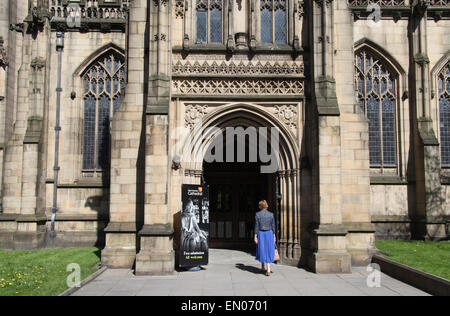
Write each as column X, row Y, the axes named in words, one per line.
column 236, row 87
column 244, row 68
column 288, row 115
column 194, row 114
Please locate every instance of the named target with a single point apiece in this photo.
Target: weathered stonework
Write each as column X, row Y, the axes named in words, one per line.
column 330, row 199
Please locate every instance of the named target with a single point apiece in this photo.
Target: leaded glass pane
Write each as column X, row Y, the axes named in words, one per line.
column 280, row 26
column 89, row 133
column 102, row 83
column 94, row 86
column 359, row 62
column 444, row 108
column 368, row 84
column 379, row 102
column 216, row 25
column 376, row 86
column 116, row 104
column 101, row 86
column 116, row 85
column 108, row 85
column 87, row 84
column 360, row 84
column 202, row 20
column 266, row 23
column 444, row 115
column 374, row 130
column 103, row 132
column 389, row 142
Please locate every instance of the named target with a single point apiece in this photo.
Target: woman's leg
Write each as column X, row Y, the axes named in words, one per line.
column 262, row 266
column 268, row 268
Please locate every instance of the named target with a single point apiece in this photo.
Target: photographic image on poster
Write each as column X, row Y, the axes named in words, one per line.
column 194, row 226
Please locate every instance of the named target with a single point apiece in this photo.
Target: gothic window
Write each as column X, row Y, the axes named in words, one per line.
column 102, row 84
column 378, row 98
column 209, row 21
column 273, row 21
column 444, row 114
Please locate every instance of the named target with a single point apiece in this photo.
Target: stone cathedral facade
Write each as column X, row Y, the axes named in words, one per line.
column 359, row 92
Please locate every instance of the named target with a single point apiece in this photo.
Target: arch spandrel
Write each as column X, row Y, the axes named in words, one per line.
column 238, row 114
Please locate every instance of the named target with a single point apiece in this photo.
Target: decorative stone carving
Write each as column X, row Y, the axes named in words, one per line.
column 233, row 87
column 179, row 9
column 233, row 68
column 3, row 54
column 38, row 63
column 288, row 115
column 94, row 15
column 194, row 113
column 301, row 9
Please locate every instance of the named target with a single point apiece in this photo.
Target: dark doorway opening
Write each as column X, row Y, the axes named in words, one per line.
column 235, row 190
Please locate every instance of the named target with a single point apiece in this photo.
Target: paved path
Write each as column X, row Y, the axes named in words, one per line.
column 235, row 273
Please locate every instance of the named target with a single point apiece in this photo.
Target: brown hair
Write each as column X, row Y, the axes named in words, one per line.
column 263, row 205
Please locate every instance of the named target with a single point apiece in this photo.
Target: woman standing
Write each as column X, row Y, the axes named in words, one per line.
column 265, row 236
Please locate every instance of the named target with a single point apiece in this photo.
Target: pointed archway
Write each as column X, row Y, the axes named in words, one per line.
column 282, row 181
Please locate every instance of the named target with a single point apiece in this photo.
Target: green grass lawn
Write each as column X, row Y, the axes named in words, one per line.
column 42, row 272
column 430, row 257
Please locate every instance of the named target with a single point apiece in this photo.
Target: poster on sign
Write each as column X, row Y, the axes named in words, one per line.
column 194, row 225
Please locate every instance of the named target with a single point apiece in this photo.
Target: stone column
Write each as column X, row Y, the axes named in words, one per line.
column 328, row 242
column 429, row 192
column 355, row 165
column 26, row 154
column 127, row 150
column 4, row 30
column 156, row 255
column 229, row 24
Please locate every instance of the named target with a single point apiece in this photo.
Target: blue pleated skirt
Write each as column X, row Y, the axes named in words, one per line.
column 265, row 250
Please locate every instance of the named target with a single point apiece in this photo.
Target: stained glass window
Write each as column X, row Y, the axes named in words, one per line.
column 444, row 114
column 377, row 98
column 102, row 84
column 209, row 21
column 273, row 21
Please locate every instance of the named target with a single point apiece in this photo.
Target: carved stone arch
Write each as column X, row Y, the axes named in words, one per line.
column 287, row 176
column 440, row 121
column 438, row 67
column 248, row 115
column 381, row 53
column 77, row 95
column 395, row 148
column 81, row 69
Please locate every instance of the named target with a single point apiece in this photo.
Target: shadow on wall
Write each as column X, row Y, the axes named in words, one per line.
column 307, row 152
column 100, row 203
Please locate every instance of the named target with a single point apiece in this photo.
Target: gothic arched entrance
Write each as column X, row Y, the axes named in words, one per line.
column 235, row 189
column 236, row 186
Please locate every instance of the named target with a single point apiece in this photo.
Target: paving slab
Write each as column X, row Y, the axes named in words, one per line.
column 236, row 273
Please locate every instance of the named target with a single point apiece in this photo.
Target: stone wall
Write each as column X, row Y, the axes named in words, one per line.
column 393, row 206
column 82, row 202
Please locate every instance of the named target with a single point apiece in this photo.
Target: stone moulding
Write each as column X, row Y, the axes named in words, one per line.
column 328, row 229
column 399, row 9
column 125, row 227
column 242, row 87
column 157, row 230
column 233, row 69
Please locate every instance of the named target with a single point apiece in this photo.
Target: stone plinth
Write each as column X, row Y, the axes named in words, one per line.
column 156, row 256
